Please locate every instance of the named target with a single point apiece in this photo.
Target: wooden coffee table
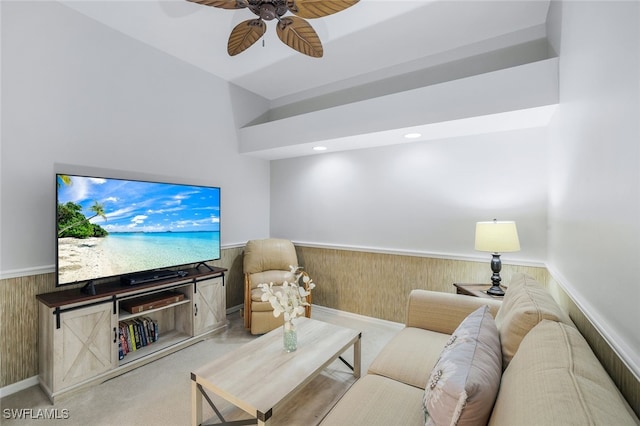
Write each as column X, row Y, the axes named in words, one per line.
column 260, row 376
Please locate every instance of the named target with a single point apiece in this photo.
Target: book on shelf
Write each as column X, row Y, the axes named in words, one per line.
column 135, row 334
column 120, row 345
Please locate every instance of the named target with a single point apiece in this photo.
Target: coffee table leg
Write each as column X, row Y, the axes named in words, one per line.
column 357, row 357
column 196, row 404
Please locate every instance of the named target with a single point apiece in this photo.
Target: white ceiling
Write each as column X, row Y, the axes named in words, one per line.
column 380, row 44
column 374, row 37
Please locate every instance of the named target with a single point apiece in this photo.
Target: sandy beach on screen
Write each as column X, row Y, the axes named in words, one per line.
column 82, row 259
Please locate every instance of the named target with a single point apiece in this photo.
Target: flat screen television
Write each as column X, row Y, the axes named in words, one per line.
column 109, row 227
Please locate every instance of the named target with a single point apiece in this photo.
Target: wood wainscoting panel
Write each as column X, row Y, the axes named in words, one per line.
column 378, row 284
column 19, row 326
column 231, row 259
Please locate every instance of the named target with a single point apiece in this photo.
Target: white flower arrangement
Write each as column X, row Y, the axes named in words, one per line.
column 289, row 300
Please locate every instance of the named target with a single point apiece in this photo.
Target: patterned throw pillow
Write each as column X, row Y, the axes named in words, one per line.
column 463, row 385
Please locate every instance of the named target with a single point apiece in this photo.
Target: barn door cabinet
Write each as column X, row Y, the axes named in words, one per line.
column 87, row 339
column 208, row 315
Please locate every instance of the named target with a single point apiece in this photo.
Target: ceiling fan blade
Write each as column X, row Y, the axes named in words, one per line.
column 244, row 35
column 299, row 35
column 318, row 8
column 223, row 4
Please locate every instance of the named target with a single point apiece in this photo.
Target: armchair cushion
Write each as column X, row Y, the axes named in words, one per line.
column 270, row 254
column 265, row 261
column 267, row 277
column 256, row 295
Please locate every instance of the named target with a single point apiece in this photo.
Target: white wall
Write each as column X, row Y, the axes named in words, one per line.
column 594, row 150
column 80, row 97
column 422, row 197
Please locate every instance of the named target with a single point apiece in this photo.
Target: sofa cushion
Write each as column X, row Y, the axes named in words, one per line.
column 377, row 400
column 410, row 356
column 555, row 379
column 464, row 383
column 525, row 304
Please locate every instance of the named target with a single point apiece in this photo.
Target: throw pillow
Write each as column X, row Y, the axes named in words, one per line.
column 463, row 385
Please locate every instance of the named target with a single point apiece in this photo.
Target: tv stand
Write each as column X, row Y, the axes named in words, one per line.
column 82, row 331
column 89, row 288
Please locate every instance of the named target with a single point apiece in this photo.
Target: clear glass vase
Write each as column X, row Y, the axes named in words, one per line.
column 290, row 336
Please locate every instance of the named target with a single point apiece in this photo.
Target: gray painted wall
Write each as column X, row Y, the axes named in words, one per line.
column 594, row 152
column 422, row 197
column 79, row 97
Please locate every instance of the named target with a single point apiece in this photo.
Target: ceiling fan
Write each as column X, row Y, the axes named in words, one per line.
column 294, row 31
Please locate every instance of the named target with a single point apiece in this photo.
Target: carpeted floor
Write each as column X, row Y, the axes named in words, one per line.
column 159, row 393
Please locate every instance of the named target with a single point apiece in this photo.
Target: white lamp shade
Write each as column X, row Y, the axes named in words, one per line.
column 497, row 237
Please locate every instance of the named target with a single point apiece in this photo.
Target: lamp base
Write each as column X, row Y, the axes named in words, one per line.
column 495, row 290
column 496, row 266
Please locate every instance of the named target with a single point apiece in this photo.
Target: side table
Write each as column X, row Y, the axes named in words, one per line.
column 476, row 290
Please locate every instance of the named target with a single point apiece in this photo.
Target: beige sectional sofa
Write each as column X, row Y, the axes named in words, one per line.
column 546, row 372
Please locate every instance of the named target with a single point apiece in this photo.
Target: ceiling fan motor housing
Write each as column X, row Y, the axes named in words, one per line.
column 269, row 9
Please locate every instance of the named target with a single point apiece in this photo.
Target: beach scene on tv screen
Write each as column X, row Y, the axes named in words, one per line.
column 108, row 227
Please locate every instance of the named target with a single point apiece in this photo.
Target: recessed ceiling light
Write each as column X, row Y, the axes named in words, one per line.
column 412, row 135
column 319, row 148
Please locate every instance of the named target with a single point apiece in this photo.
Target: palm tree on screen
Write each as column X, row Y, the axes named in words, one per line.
column 63, row 180
column 96, row 208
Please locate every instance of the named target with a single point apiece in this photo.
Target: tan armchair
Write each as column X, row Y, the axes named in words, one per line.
column 265, row 261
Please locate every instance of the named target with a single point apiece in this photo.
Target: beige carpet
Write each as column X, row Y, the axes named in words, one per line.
column 159, row 393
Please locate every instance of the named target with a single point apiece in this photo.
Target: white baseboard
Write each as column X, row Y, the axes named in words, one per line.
column 18, row 386
column 234, row 309
column 344, row 314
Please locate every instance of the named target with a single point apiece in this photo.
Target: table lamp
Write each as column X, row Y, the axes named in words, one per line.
column 496, row 237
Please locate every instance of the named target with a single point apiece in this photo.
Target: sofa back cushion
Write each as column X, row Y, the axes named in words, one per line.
column 555, row 379
column 525, row 304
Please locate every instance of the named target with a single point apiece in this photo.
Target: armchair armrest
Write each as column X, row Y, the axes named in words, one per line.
column 443, row 312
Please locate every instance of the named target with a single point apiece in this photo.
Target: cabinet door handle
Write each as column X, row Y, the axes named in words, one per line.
column 115, row 335
column 196, row 305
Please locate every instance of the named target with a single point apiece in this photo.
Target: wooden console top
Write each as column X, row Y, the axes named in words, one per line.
column 114, row 288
